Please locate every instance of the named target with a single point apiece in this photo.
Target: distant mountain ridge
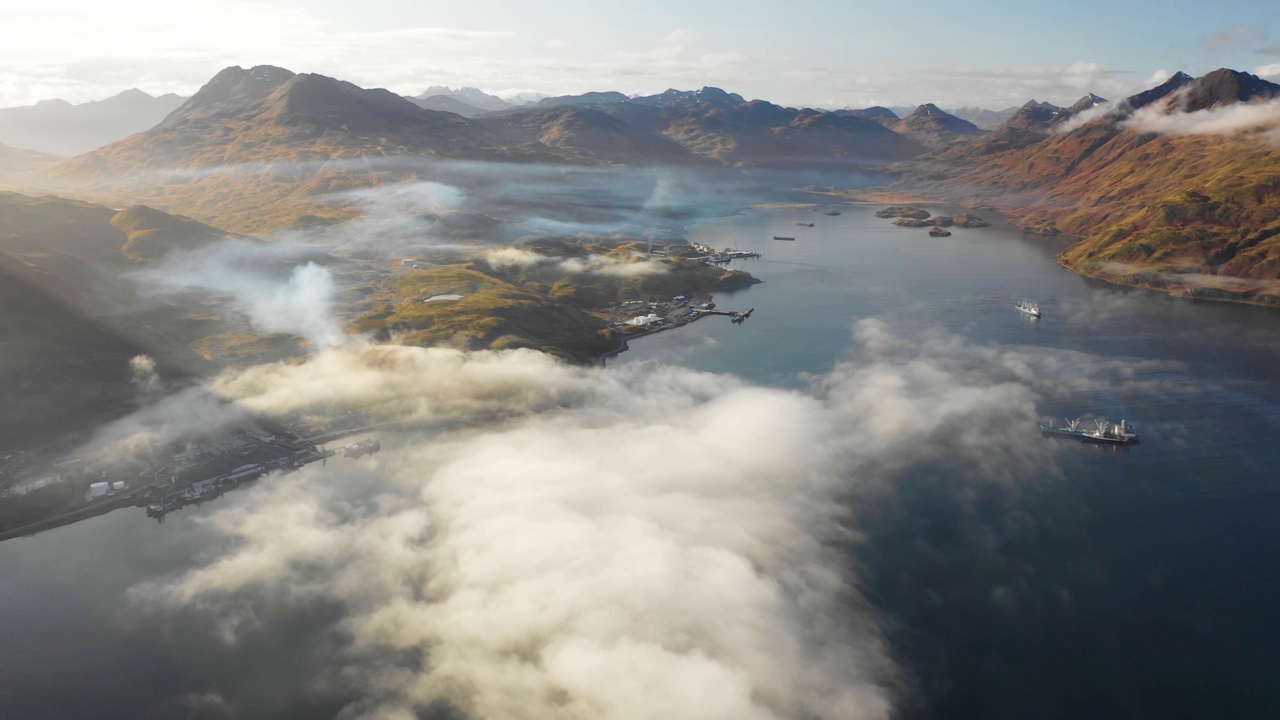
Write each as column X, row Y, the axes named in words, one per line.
column 473, row 97
column 707, row 98
column 983, row 118
column 17, row 160
column 444, row 103
column 877, row 114
column 590, row 98
column 283, row 133
column 266, row 113
column 584, row 134
column 57, row 127
column 931, row 127
column 1035, row 116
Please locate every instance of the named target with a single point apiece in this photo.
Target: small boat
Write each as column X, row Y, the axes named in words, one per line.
column 779, row 237
column 1108, row 434
column 833, row 213
column 1028, row 308
column 803, row 224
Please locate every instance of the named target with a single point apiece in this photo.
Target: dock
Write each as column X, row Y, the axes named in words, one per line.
column 736, row 317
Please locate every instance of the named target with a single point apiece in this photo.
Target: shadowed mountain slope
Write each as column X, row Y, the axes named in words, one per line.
column 1224, row 87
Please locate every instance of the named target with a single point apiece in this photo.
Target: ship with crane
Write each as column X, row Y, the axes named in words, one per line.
column 1103, row 432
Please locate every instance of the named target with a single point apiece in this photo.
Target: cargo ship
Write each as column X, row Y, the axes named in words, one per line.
column 1072, row 430
column 1108, row 434
column 1104, row 432
column 1028, row 308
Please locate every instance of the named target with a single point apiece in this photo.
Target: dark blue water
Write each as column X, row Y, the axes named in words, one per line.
column 1124, row 584
column 1140, row 583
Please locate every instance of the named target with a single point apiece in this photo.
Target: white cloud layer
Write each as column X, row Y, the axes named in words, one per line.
column 639, row 542
column 607, row 265
column 1225, row 120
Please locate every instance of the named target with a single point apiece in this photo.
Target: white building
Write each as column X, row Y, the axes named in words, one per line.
column 643, row 320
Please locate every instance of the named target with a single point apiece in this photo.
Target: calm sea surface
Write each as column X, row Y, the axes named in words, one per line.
column 1140, row 584
column 1144, row 584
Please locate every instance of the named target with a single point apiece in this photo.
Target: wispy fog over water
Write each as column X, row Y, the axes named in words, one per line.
column 1101, row 584
column 838, row 509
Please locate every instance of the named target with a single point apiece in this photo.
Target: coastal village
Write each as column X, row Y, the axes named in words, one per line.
column 93, row 482
column 83, row 483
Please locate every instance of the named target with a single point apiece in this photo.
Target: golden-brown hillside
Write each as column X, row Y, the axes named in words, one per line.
column 1193, row 213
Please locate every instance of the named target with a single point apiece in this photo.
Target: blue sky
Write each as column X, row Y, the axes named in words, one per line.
column 815, row 52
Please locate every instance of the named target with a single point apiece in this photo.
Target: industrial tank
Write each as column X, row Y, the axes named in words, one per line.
column 99, row 489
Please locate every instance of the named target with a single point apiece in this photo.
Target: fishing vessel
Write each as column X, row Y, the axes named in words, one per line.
column 1108, row 434
column 1028, row 308
column 779, row 237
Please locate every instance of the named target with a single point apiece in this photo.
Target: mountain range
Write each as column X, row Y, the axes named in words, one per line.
column 266, row 114
column 57, row 127
column 1188, row 212
column 295, row 138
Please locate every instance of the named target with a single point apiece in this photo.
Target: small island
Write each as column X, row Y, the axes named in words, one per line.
column 914, row 217
column 903, row 211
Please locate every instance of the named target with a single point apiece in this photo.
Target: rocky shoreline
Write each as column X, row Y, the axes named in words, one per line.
column 1189, row 285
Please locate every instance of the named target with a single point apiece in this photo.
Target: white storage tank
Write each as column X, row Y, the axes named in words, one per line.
column 117, row 486
column 99, row 489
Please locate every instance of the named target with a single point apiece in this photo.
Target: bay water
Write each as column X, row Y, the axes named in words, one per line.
column 1133, row 583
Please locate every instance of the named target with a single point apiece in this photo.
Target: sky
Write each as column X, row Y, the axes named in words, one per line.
column 819, row 53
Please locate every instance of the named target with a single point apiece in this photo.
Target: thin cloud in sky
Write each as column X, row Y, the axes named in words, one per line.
column 1234, row 37
column 84, row 51
column 80, row 50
